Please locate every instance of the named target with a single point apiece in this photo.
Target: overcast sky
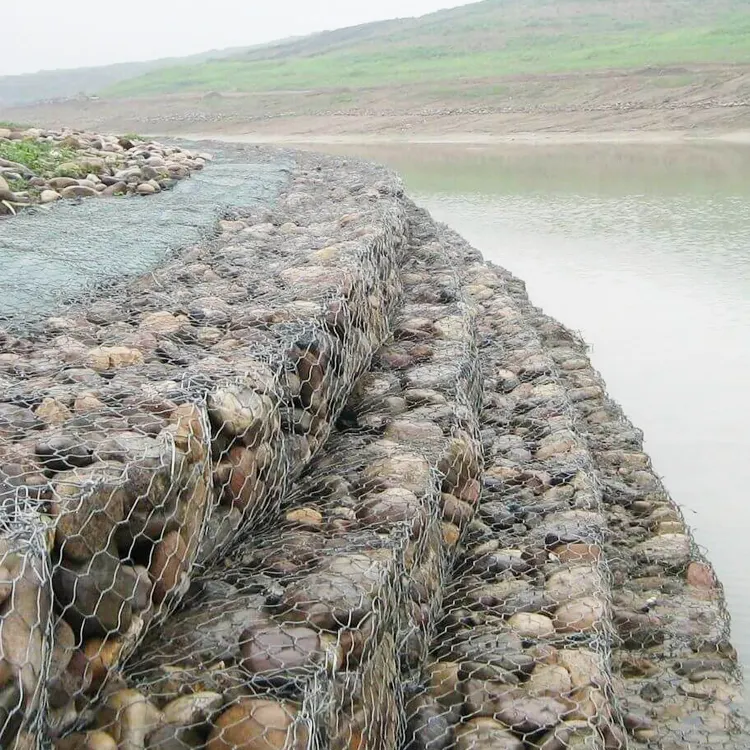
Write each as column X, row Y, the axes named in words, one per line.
column 49, row 34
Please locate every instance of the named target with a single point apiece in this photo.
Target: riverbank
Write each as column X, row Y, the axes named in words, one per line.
column 358, row 457
column 367, row 138
column 654, row 103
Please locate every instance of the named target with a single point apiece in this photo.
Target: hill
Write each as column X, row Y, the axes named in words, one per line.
column 65, row 84
column 488, row 39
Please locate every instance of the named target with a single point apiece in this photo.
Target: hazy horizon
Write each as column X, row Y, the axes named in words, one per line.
column 55, row 38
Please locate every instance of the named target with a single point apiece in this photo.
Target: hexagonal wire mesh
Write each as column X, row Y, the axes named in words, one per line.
column 327, row 615
column 168, row 420
column 308, row 487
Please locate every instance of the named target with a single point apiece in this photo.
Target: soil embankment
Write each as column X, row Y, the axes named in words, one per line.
column 652, row 104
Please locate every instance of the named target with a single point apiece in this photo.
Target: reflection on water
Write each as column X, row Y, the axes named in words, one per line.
column 646, row 251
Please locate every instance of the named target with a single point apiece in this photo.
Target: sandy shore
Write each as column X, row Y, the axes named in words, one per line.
column 477, row 139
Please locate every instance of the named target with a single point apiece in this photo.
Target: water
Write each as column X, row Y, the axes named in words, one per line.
column 646, row 251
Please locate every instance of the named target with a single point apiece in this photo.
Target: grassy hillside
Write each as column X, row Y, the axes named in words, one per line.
column 62, row 84
column 484, row 40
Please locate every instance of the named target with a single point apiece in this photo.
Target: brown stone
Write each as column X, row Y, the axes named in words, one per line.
column 456, row 511
column 306, row 518
column 106, row 358
column 129, row 717
column 88, row 741
column 99, row 596
column 392, row 506
column 574, row 582
column 78, row 191
column 451, row 534
column 530, row 625
column 189, row 432
column 237, row 475
column 90, row 503
column 406, row 431
column 578, row 553
column 580, row 615
column 23, row 622
column 408, row 471
column 161, row 322
column 484, row 733
column 549, row 679
column 584, row 667
column 284, row 649
column 444, row 683
column 168, row 564
column 701, row 575
column 256, row 724
column 101, row 656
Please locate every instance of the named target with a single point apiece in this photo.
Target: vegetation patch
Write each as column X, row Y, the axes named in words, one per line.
column 486, row 40
column 44, row 159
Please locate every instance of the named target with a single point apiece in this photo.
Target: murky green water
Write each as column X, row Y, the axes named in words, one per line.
column 646, row 251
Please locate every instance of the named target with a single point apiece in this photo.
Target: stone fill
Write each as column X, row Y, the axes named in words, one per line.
column 329, row 481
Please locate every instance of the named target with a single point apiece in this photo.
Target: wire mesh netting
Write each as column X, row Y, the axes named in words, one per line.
column 327, row 481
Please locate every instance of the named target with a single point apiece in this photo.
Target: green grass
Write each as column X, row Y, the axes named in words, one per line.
column 673, row 81
column 13, row 125
column 490, row 39
column 43, row 159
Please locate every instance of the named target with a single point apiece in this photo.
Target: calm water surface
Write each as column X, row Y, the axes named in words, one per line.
column 646, row 251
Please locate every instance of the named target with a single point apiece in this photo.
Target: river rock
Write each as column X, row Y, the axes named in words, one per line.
column 428, row 726
column 498, row 648
column 87, row 741
column 671, row 550
column 506, row 598
column 257, row 724
column 90, row 503
column 15, row 420
column 392, row 506
column 24, row 616
column 106, row 358
column 284, row 651
column 407, row 471
column 574, row 582
column 549, row 679
column 578, row 553
column 406, row 431
column 444, row 683
column 486, row 734
column 580, row 615
column 49, row 196
column 78, row 191
column 513, row 707
column 585, row 667
column 457, row 512
column 173, row 737
column 169, row 563
column 100, row 596
column 241, row 413
column 530, row 625
column 326, row 602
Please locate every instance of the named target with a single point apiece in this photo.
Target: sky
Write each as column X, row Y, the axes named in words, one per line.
column 85, row 33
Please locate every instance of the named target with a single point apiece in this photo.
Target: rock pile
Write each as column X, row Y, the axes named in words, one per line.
column 42, row 166
column 148, row 430
column 322, row 616
column 330, row 481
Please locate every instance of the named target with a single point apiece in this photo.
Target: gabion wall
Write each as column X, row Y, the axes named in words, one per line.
column 329, row 482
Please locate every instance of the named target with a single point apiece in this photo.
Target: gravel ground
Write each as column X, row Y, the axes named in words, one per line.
column 55, row 253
